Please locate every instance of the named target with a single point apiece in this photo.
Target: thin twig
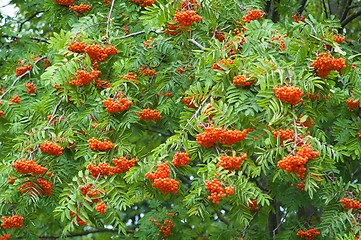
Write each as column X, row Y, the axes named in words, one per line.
column 196, row 113
column 109, row 15
column 274, row 230
column 197, row 44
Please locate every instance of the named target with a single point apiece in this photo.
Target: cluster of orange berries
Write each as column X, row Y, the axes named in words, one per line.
column 97, row 145
column 80, row 8
column 352, row 104
column 295, row 164
column 338, row 39
column 350, row 204
column 237, row 40
column 84, row 78
column 289, row 94
column 147, row 72
column 359, row 134
column 100, row 207
column 119, row 105
column 2, row 113
column 47, row 61
column 99, row 84
column 223, row 62
column 164, row 228
column 212, row 135
column 301, row 186
column 24, row 166
column 279, row 39
column 31, row 88
column 252, row 15
column 215, row 188
column 161, row 179
column 252, row 205
column 242, row 80
column 121, row 165
column 12, row 222
column 130, row 76
column 149, row 114
column 51, row 148
column 186, row 17
column 308, row 235
column 100, row 170
column 21, row 70
column 180, row 158
column 92, row 192
column 189, row 4
column 324, row 64
column 145, row 43
column 166, row 94
column 77, row 47
column 144, row 3
column 218, row 35
column 5, row 237
column 174, row 29
column 15, row 99
column 64, row 2
column 190, row 100
column 33, row 189
column 78, row 219
column 295, row 18
column 230, row 163
column 96, row 53
column 316, row 96
column 284, row 134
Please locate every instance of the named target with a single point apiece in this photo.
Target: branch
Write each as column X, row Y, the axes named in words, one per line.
column 132, row 35
column 197, row 44
column 324, row 6
column 18, row 78
column 274, row 230
column 22, row 23
column 221, row 217
column 346, row 9
column 302, row 8
column 350, row 18
column 109, row 15
column 156, row 69
column 34, row 38
column 196, row 113
column 55, row 110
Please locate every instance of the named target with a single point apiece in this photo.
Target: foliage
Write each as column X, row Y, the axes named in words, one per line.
column 117, row 97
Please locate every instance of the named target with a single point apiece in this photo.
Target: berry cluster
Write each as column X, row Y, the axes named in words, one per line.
column 242, row 80
column 352, row 104
column 223, row 62
column 252, row 15
column 77, row 47
column 324, row 64
column 164, row 228
column 289, row 94
column 216, row 190
column 308, row 235
column 186, row 17
column 84, row 78
column 130, row 76
column 11, row 180
column 2, row 113
column 96, row 53
column 31, row 88
column 174, row 29
column 308, row 122
column 161, row 179
column 279, row 39
column 338, row 39
column 12, row 222
column 236, row 42
column 301, row 186
column 122, row 164
column 15, row 99
column 64, row 2
column 252, row 205
column 51, row 148
column 5, row 237
column 149, row 114
column 190, row 100
column 284, row 134
column 24, row 166
column 189, row 5
column 78, row 219
column 97, row 145
column 147, row 43
column 230, row 163
column 119, row 105
column 56, row 119
column 144, row 3
column 99, row 84
column 316, row 96
column 350, row 204
column 295, row 164
column 101, row 170
column 218, row 35
column 33, row 189
column 21, row 70
column 100, row 207
column 80, row 8
column 212, row 135
column 295, row 18
column 180, row 158
column 147, row 72
column 92, row 192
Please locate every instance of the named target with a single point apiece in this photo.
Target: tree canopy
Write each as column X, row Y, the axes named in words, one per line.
column 194, row 119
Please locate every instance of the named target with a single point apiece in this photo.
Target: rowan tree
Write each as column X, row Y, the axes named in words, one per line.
column 191, row 119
